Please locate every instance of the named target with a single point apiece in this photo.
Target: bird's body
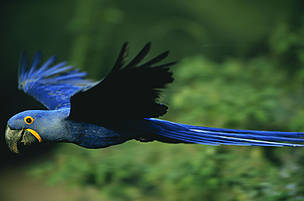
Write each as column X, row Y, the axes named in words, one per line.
column 121, row 107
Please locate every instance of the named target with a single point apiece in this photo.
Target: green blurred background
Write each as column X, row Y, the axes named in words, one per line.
column 241, row 65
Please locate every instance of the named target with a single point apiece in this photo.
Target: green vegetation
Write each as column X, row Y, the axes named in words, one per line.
column 241, row 66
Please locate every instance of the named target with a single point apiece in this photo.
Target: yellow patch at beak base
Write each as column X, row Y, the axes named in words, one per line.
column 37, row 136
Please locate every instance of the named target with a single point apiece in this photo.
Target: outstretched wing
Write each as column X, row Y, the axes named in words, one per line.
column 128, row 92
column 52, row 85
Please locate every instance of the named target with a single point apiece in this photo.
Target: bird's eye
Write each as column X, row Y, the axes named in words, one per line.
column 28, row 120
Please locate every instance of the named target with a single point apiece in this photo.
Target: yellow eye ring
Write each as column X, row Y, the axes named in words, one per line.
column 28, row 120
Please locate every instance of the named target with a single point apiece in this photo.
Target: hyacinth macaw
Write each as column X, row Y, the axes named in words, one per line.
column 121, row 107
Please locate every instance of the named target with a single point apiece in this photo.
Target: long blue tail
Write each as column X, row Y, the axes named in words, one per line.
column 217, row 136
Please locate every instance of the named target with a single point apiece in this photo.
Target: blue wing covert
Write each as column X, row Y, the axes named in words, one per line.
column 52, row 85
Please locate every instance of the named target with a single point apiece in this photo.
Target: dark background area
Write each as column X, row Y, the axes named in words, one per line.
column 240, row 66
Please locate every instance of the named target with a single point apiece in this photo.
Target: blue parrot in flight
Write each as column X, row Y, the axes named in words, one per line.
column 123, row 106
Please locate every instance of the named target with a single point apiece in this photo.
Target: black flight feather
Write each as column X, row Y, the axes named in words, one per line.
column 156, row 59
column 128, row 92
column 121, row 58
column 140, row 56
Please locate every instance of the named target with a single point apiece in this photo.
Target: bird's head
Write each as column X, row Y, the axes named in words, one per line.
column 29, row 127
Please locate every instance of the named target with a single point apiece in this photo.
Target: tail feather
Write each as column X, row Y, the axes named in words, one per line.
column 217, row 136
column 272, row 133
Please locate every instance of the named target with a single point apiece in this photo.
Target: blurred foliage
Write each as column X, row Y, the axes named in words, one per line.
column 241, row 66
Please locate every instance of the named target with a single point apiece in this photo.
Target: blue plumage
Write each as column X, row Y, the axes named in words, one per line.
column 54, row 85
column 217, row 136
column 120, row 107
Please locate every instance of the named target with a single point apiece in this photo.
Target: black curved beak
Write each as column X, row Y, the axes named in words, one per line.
column 17, row 139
